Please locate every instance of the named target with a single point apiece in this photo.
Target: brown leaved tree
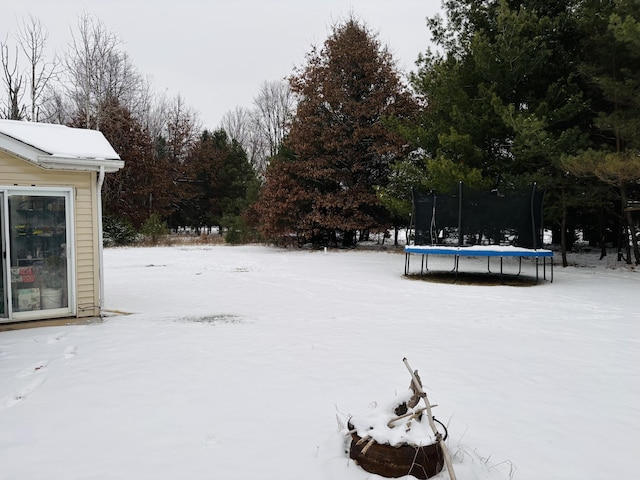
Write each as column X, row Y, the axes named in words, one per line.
column 142, row 187
column 340, row 145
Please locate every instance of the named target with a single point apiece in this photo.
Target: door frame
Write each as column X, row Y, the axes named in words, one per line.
column 71, row 308
column 4, row 277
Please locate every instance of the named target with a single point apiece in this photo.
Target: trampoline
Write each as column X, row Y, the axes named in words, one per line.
column 471, row 223
column 480, row 251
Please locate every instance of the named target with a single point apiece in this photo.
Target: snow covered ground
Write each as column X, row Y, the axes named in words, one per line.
column 241, row 363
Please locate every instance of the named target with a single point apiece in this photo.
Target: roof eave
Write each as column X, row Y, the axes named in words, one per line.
column 79, row 164
column 43, row 159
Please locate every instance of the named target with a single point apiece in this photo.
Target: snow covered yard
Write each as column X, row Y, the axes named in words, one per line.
column 238, row 362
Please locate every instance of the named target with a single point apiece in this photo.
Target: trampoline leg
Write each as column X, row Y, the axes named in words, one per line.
column 488, row 264
column 544, row 264
column 519, row 265
column 457, row 261
column 406, row 263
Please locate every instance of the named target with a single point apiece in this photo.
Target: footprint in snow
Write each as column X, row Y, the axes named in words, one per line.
column 33, row 369
column 70, row 352
column 56, row 338
column 210, row 440
column 25, row 392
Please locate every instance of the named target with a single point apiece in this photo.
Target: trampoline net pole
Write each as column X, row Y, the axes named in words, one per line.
column 460, row 239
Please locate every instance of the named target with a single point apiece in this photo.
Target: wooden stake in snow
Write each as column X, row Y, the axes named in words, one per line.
column 438, row 435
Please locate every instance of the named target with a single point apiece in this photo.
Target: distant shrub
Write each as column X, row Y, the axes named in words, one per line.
column 118, row 231
column 154, row 229
column 237, row 231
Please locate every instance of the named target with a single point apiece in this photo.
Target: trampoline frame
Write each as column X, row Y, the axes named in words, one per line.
column 479, row 251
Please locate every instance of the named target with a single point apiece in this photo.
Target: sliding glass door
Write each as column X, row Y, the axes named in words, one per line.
column 36, row 263
column 3, row 291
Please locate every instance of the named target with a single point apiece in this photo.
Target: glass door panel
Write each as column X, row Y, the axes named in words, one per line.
column 38, row 263
column 3, row 300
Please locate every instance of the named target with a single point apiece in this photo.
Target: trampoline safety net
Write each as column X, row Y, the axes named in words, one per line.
column 474, row 217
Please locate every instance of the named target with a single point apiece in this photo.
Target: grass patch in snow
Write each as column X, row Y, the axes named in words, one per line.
column 214, row 319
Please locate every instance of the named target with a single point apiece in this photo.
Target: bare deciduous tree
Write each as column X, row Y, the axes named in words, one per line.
column 150, row 108
column 239, row 124
column 181, row 129
column 55, row 106
column 13, row 80
column 32, row 38
column 260, row 131
column 98, row 72
column 274, row 110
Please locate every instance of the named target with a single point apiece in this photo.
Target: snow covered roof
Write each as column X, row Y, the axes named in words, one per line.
column 58, row 147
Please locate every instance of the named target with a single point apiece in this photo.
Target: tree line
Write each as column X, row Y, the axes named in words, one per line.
column 174, row 169
column 509, row 93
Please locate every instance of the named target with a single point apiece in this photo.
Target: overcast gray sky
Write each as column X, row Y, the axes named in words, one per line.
column 216, row 53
